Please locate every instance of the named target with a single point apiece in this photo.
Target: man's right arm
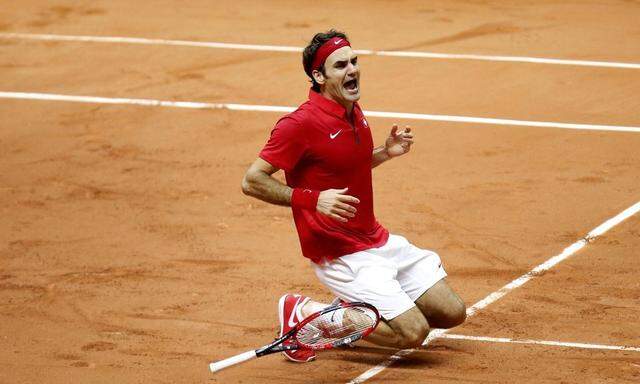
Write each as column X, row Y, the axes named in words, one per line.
column 259, row 183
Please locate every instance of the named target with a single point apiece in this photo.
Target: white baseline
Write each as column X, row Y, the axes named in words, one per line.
column 563, row 344
column 283, row 109
column 520, row 281
column 281, row 48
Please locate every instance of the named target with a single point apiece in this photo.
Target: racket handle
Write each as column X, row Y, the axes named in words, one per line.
column 237, row 359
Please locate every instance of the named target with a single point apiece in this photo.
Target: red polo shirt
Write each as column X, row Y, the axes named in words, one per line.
column 319, row 148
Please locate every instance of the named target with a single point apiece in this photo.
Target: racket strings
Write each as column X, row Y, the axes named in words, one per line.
column 336, row 325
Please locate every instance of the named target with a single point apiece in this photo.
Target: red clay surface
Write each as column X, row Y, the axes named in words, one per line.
column 128, row 253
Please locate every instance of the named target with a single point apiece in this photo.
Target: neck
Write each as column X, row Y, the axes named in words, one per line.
column 348, row 105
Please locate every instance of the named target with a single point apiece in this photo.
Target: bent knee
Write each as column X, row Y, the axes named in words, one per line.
column 412, row 338
column 455, row 315
column 460, row 315
column 410, row 329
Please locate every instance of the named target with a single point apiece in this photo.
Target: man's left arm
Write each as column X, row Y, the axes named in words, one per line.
column 397, row 144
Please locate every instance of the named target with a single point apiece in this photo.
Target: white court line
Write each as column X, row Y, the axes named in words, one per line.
column 282, row 109
column 282, row 48
column 520, row 281
column 144, row 41
column 541, row 342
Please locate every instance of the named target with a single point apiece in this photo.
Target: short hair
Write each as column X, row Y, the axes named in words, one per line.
column 310, row 51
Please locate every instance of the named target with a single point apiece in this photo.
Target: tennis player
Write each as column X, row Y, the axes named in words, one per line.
column 326, row 150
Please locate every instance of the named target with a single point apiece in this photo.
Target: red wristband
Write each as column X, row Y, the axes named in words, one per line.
column 304, row 199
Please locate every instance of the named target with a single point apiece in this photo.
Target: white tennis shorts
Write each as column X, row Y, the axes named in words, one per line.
column 391, row 277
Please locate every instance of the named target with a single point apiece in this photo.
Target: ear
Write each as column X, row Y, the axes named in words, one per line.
column 318, row 76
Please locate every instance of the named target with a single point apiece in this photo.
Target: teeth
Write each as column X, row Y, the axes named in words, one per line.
column 351, row 84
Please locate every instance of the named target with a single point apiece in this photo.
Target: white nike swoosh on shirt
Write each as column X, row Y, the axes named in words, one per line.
column 337, row 42
column 334, row 135
column 291, row 322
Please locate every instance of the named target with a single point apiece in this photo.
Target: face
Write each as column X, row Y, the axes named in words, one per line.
column 342, row 80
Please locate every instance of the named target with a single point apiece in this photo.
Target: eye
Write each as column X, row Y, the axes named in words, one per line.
column 354, row 61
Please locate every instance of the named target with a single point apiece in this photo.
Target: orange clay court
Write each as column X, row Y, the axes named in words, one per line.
column 128, row 253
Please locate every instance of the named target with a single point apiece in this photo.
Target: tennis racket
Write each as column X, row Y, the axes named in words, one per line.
column 331, row 327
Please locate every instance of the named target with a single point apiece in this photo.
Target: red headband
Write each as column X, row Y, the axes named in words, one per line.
column 327, row 49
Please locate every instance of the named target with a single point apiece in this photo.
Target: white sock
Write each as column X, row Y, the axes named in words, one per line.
column 309, row 308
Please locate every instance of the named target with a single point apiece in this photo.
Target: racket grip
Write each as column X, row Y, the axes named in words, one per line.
column 237, row 359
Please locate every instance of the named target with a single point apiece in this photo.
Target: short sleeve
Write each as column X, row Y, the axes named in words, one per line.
column 286, row 146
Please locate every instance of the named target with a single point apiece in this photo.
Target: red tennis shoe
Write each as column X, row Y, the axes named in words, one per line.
column 289, row 312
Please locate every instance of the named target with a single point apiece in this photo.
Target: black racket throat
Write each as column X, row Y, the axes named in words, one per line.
column 277, row 345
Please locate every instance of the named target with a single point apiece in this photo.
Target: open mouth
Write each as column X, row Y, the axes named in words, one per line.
column 351, row 85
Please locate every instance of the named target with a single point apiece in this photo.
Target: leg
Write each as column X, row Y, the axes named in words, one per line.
column 442, row 306
column 423, row 278
column 393, row 278
column 408, row 330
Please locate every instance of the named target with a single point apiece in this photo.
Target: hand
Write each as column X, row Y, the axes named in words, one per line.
column 335, row 204
column 398, row 143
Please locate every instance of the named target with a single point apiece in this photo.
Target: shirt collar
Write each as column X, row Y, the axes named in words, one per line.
column 330, row 106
